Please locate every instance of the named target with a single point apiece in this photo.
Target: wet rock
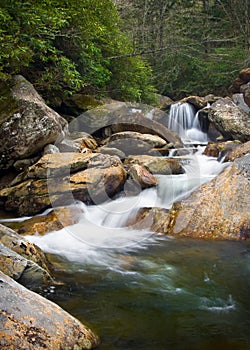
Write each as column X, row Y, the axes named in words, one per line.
column 130, row 142
column 154, row 219
column 156, row 165
column 55, row 220
column 26, row 123
column 217, row 210
column 29, row 321
column 60, row 179
column 142, row 176
column 229, row 120
column 50, row 149
column 23, row 164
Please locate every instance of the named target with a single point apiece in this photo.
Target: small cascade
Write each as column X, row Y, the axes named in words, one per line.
column 185, row 121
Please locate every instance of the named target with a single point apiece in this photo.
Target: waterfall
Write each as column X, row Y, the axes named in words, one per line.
column 184, row 120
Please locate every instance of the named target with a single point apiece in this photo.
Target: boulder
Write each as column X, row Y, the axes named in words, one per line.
column 238, row 152
column 219, row 149
column 29, row 321
column 243, row 78
column 55, row 220
column 239, row 100
column 112, row 151
column 142, row 176
column 21, row 246
column 120, row 116
column 77, row 142
column 199, row 102
column 217, row 210
column 61, row 178
column 156, row 165
column 245, row 90
column 25, row 271
column 229, row 120
column 27, row 124
column 130, row 142
column 153, row 219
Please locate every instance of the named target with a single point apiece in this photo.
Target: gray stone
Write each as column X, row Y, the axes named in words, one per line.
column 27, row 124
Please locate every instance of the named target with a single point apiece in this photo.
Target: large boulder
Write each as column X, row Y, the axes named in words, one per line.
column 29, row 321
column 27, row 124
column 238, row 152
column 130, row 142
column 241, row 85
column 120, row 116
column 229, row 120
column 61, row 178
column 217, row 210
column 156, row 165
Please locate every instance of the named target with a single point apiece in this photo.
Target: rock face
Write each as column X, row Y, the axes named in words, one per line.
column 61, row 178
column 141, row 176
column 219, row 209
column 29, row 321
column 220, row 149
column 26, row 123
column 156, row 165
column 229, row 120
column 118, row 117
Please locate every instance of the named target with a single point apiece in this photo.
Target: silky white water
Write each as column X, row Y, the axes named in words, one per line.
column 101, row 227
column 184, row 120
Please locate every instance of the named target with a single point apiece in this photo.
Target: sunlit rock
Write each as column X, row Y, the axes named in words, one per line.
column 29, row 321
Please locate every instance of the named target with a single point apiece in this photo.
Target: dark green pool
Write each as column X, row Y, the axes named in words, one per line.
column 173, row 294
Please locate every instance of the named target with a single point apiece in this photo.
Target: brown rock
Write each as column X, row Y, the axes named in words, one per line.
column 245, row 89
column 156, row 165
column 238, row 152
column 219, row 149
column 142, row 176
column 21, row 246
column 154, row 219
column 29, row 321
column 245, row 75
column 55, row 220
column 217, row 210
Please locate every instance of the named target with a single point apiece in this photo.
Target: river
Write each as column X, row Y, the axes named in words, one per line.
column 142, row 290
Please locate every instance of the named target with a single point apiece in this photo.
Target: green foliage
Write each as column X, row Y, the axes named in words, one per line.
column 64, row 46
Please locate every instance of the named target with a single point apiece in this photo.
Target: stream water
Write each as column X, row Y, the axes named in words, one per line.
column 141, row 290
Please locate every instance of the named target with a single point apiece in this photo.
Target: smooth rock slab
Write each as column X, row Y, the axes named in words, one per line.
column 217, row 210
column 29, row 322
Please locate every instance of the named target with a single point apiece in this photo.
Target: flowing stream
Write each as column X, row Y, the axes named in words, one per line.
column 141, row 290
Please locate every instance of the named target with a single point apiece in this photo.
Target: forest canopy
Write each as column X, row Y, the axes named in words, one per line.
column 125, row 49
column 64, row 46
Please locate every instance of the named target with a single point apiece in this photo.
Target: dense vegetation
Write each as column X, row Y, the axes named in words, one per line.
column 64, row 46
column 192, row 47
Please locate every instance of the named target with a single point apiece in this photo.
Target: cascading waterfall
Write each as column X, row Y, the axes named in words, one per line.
column 184, row 120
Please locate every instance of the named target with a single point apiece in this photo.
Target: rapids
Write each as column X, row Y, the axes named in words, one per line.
column 141, row 290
